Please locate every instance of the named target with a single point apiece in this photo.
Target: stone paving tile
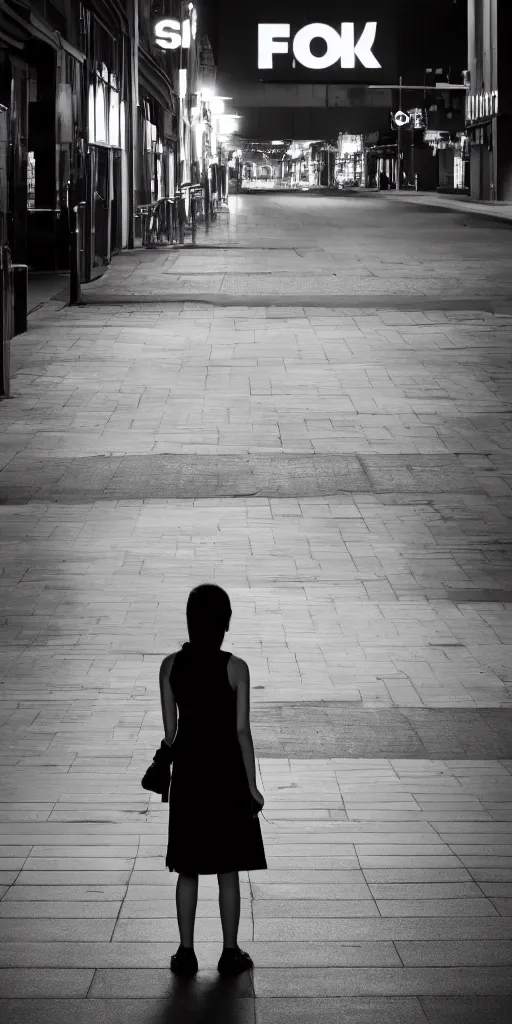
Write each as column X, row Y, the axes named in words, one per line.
column 317, row 909
column 382, row 928
column 362, row 1010
column 220, row 1006
column 436, row 908
column 46, row 930
column 352, row 981
column 40, row 982
column 454, row 954
column 145, row 983
column 469, row 1010
column 32, row 908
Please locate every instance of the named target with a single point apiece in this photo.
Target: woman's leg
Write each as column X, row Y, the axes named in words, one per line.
column 186, row 903
column 229, row 906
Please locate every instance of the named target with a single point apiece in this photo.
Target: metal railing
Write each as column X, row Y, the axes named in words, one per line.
column 159, row 222
column 172, row 220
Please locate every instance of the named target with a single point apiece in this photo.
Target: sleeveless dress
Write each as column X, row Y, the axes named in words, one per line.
column 210, row 827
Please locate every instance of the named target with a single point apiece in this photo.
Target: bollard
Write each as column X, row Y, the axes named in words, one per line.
column 181, row 219
column 20, row 292
column 74, row 257
column 207, row 202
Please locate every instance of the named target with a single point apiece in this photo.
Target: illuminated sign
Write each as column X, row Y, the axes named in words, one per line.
column 401, row 118
column 170, row 34
column 339, row 46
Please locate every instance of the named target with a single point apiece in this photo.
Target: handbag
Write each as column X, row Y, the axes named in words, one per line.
column 157, row 778
column 254, row 807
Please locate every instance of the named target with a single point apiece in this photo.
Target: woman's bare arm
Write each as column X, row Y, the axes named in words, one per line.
column 169, row 712
column 243, row 725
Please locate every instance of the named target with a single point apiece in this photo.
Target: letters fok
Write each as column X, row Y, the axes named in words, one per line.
column 340, row 46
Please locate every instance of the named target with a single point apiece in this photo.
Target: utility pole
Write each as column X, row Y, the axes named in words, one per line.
column 399, row 140
column 132, row 123
column 411, row 172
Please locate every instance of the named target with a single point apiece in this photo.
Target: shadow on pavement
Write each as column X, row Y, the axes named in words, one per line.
column 208, row 999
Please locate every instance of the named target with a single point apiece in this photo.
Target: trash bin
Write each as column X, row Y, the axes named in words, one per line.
column 20, row 290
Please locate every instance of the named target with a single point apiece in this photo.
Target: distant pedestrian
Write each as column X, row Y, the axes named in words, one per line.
column 213, row 799
column 383, row 180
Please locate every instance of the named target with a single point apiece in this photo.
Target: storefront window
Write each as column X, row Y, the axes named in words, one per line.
column 350, row 160
column 113, row 120
column 31, row 180
column 458, row 171
column 101, row 114
column 122, row 125
column 91, row 115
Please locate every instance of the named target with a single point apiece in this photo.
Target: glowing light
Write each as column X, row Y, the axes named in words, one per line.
column 167, row 34
column 227, row 123
column 340, row 46
column 183, row 83
column 217, row 105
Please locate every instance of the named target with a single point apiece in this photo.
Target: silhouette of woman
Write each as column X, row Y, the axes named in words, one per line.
column 213, row 827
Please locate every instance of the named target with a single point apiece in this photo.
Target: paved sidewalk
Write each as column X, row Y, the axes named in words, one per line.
column 368, row 249
column 345, row 473
column 484, row 208
column 386, row 895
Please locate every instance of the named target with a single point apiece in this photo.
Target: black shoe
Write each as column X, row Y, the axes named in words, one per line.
column 184, row 962
column 234, row 961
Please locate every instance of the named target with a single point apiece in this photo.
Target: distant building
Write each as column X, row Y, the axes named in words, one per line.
column 489, row 99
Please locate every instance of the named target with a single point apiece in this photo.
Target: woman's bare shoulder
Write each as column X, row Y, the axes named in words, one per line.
column 166, row 666
column 238, row 670
column 238, row 663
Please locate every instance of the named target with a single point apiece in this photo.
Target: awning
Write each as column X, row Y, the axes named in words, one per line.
column 42, row 30
column 17, row 30
column 154, row 82
column 14, row 24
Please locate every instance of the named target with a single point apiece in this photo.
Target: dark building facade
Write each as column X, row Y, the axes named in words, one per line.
column 91, row 118
column 66, row 85
column 489, row 99
column 156, row 160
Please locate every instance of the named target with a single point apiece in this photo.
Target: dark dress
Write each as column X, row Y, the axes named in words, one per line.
column 210, row 827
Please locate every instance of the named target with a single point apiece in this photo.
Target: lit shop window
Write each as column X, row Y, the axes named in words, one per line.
column 104, row 114
column 100, row 130
column 31, row 180
column 91, row 117
column 114, row 135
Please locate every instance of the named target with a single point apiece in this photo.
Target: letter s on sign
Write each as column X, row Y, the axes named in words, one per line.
column 167, row 34
column 271, row 39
